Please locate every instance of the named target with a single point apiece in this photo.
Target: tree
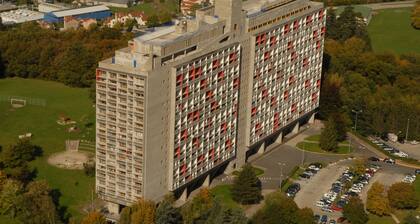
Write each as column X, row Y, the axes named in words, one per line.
column 37, row 205
column 376, row 202
column 166, row 213
column 142, row 212
column 11, row 197
column 152, row 21
column 199, row 208
column 246, row 188
column 403, row 196
column 14, row 160
column 331, row 24
column 280, row 209
column 358, row 167
column 328, row 140
column 415, row 16
column 330, row 95
column 341, row 124
column 354, row 211
column 94, row 218
column 349, row 24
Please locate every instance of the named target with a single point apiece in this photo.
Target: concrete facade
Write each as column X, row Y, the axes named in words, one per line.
column 189, row 101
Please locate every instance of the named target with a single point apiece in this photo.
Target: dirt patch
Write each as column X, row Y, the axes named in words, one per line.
column 69, row 160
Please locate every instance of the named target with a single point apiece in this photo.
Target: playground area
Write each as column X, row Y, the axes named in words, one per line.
column 30, row 109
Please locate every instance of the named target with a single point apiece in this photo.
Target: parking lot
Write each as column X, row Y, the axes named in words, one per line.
column 320, row 185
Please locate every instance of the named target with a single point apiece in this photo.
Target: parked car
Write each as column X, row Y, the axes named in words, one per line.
column 293, row 189
column 317, row 218
column 305, row 176
column 389, row 160
column 417, row 172
column 375, row 159
column 324, row 219
column 341, row 220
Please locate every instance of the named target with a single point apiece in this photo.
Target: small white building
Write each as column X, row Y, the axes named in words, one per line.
column 122, row 17
column 20, row 16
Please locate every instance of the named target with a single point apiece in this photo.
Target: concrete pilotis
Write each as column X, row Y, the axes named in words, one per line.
column 296, row 128
column 207, row 181
column 312, row 119
column 279, row 138
column 261, row 150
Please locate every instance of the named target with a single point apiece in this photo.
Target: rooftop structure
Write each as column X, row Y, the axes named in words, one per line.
column 98, row 12
column 48, row 7
column 115, row 3
column 186, row 102
column 20, row 16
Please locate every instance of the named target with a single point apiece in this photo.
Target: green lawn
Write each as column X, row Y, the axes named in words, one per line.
column 257, row 171
column 74, row 186
column 314, row 147
column 223, row 193
column 390, row 30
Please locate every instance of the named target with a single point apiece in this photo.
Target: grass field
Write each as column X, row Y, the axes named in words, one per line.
column 151, row 8
column 257, row 171
column 223, row 193
column 373, row 219
column 311, row 144
column 390, row 30
column 74, row 185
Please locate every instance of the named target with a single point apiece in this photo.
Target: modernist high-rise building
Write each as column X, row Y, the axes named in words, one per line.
column 183, row 103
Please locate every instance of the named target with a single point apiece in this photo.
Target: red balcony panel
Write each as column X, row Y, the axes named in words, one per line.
column 192, row 74
column 196, row 142
column 318, row 45
column 216, row 64
column 318, row 83
column 236, row 82
column 295, row 25
column 264, row 38
column 196, row 115
column 286, row 95
column 185, row 92
column 203, row 84
column 228, row 144
column 253, row 111
column 273, row 41
column 308, row 19
column 233, row 57
column 293, row 56
column 223, row 128
column 98, row 74
column 315, row 34
column 286, row 28
column 292, row 80
column 305, row 62
column 178, row 152
column 307, row 83
column 289, row 45
column 179, row 79
column 314, row 97
column 323, row 30
column 293, row 108
column 211, row 154
column 267, row 55
column 264, row 93
column 209, row 95
column 221, row 76
column 183, row 169
column 184, row 134
column 273, row 101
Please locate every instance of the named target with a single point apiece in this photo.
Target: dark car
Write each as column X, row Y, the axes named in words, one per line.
column 374, row 159
column 305, row 176
column 316, row 218
column 341, row 219
column 324, row 219
column 417, row 172
column 293, row 189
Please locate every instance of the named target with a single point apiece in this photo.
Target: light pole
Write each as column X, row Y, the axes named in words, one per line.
column 406, row 131
column 357, row 113
column 281, row 172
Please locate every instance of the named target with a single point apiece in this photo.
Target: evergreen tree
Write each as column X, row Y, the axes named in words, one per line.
column 246, row 188
column 328, row 140
column 354, row 211
column 331, row 24
column 166, row 213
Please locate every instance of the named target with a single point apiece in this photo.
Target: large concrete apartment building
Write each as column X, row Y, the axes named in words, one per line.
column 186, row 102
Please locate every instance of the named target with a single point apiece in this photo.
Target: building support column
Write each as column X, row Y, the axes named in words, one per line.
column 312, row 119
column 207, row 181
column 261, row 150
column 279, row 138
column 113, row 208
column 230, row 167
column 184, row 195
column 296, row 128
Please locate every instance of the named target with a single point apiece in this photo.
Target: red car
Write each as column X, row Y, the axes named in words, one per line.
column 336, row 209
column 341, row 220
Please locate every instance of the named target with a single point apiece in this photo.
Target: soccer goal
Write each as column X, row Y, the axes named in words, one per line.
column 17, row 103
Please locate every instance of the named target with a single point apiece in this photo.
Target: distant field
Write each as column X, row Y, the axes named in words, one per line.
column 151, row 8
column 390, row 30
column 74, row 186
